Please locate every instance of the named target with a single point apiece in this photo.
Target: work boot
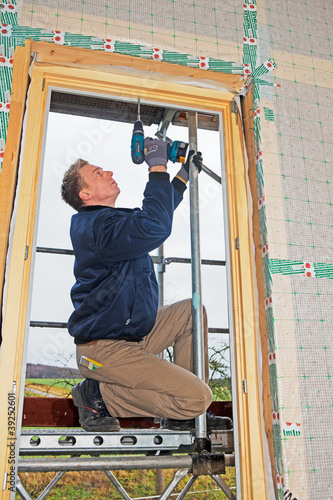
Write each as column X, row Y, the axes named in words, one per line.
column 93, row 414
column 214, row 423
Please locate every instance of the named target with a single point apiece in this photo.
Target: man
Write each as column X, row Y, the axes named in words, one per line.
column 116, row 326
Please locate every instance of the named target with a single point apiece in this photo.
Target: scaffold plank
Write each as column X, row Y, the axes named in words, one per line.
column 37, row 442
column 61, row 412
column 69, row 441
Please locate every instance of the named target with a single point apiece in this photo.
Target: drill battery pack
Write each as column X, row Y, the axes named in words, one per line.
column 177, row 151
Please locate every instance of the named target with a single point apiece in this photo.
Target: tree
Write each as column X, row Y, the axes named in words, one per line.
column 220, row 381
column 219, row 367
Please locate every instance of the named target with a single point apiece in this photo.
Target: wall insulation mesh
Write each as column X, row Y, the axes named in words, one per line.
column 297, row 147
column 293, row 128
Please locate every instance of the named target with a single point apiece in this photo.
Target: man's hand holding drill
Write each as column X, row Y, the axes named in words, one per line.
column 156, row 154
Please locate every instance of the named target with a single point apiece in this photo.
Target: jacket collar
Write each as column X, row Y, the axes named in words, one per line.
column 91, row 208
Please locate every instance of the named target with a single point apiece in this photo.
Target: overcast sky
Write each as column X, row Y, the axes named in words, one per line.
column 107, row 144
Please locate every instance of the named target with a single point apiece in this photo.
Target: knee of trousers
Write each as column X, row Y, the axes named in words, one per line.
column 200, row 403
column 189, row 305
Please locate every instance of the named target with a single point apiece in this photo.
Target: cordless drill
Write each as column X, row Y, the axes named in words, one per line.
column 176, row 149
column 138, row 137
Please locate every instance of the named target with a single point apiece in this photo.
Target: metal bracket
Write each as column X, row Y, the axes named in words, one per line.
column 162, row 265
column 208, row 463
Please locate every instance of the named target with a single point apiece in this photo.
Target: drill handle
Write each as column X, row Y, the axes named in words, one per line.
column 137, row 143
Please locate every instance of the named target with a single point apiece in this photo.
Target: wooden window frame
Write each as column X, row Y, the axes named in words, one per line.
column 82, row 70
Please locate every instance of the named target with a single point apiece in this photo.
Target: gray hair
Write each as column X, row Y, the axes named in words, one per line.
column 72, row 184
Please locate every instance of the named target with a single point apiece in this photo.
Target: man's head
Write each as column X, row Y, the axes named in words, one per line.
column 72, row 184
column 85, row 184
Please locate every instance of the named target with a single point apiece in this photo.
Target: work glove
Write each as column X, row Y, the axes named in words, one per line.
column 183, row 173
column 156, row 152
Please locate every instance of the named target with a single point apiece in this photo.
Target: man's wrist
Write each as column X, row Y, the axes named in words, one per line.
column 158, row 168
column 183, row 175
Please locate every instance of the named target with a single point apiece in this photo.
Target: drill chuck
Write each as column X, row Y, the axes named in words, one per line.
column 137, row 149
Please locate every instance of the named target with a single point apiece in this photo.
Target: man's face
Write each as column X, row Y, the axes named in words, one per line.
column 100, row 187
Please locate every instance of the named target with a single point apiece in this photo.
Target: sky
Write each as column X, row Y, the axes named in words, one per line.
column 107, row 144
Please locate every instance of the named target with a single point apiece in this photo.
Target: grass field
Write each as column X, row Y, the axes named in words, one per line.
column 40, row 387
column 138, row 484
column 53, row 381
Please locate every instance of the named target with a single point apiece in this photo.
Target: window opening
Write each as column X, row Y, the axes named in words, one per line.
column 75, row 130
column 107, row 143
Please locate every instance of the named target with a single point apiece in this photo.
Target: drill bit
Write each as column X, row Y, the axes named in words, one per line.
column 137, row 142
column 138, row 108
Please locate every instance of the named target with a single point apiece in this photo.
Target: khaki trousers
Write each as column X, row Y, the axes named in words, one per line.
column 135, row 382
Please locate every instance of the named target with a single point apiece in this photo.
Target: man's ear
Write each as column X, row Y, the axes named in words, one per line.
column 84, row 195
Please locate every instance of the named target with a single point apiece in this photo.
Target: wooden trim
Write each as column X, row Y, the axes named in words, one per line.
column 245, row 320
column 45, row 74
column 55, row 54
column 131, row 86
column 248, row 123
column 8, row 177
column 14, row 322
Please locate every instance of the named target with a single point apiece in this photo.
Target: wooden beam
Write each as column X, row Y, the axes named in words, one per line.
column 245, row 318
column 14, row 322
column 8, row 177
column 248, row 123
column 61, row 412
column 97, row 82
column 55, row 54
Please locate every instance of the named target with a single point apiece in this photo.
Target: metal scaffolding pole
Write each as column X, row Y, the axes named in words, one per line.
column 224, row 487
column 160, row 276
column 22, row 491
column 104, row 463
column 187, row 488
column 117, row 485
column 197, row 306
column 179, row 475
column 51, row 485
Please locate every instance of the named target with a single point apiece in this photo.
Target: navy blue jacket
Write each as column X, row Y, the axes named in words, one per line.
column 116, row 295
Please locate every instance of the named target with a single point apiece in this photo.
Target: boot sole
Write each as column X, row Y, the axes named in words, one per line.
column 77, row 400
column 102, row 428
column 189, row 426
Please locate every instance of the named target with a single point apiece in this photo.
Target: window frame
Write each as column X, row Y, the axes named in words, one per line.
column 86, row 70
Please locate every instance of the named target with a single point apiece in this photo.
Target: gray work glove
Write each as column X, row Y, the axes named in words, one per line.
column 156, row 152
column 184, row 171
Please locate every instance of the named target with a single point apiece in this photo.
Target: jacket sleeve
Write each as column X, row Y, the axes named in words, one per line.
column 178, row 187
column 122, row 235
